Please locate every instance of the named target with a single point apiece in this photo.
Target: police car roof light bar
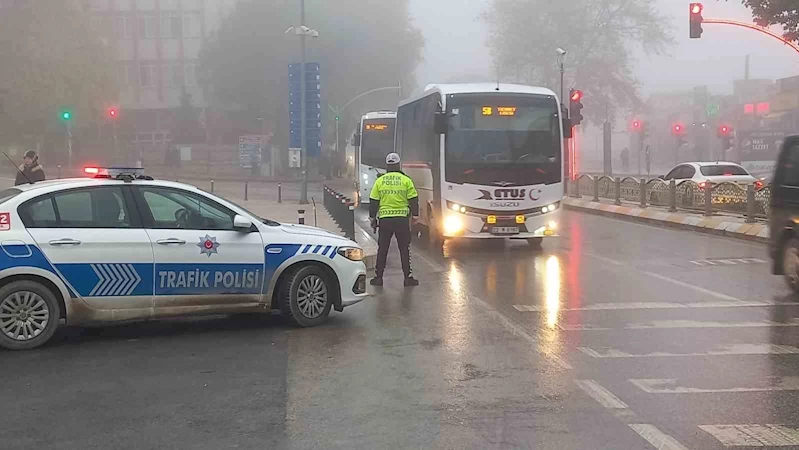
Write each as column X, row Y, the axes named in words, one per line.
column 119, row 173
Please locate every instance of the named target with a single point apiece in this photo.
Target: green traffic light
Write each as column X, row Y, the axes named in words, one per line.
column 336, row 118
column 66, row 115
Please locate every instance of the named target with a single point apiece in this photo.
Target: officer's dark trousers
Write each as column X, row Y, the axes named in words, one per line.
column 399, row 227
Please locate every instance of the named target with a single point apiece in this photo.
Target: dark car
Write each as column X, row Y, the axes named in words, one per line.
column 784, row 214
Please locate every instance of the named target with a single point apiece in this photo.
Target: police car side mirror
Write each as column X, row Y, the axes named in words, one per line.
column 241, row 223
column 441, row 123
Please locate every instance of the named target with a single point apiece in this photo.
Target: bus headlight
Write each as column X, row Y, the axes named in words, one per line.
column 455, row 207
column 549, row 208
column 453, row 225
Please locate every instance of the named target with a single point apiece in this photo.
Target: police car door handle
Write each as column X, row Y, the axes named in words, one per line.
column 170, row 241
column 65, row 241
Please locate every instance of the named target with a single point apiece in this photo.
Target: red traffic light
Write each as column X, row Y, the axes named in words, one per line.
column 724, row 131
column 636, row 124
column 576, row 95
column 112, row 112
column 696, row 8
column 678, row 129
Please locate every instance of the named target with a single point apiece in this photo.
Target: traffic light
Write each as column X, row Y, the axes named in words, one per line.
column 696, row 19
column 66, row 115
column 575, row 106
column 112, row 113
column 337, row 118
column 678, row 129
column 725, row 134
column 636, row 126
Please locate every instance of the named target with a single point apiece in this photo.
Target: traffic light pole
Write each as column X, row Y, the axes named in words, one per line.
column 69, row 143
column 303, row 136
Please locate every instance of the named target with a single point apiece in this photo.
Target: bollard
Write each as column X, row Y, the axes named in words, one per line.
column 246, row 189
column 672, row 195
column 301, row 216
column 596, row 190
column 642, row 188
column 59, row 171
column 212, row 186
column 280, row 193
column 708, row 199
column 349, row 231
column 750, row 203
column 618, row 191
column 576, row 184
column 315, row 223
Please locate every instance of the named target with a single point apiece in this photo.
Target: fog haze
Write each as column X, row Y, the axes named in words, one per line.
column 455, row 46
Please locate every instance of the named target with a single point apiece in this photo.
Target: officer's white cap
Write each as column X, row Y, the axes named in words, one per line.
column 392, row 158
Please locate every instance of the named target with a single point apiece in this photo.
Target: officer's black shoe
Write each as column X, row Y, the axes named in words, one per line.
column 377, row 281
column 411, row 281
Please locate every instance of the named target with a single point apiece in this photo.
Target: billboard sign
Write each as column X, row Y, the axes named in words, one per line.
column 759, row 150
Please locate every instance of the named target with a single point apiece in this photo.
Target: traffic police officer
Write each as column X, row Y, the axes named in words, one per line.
column 392, row 200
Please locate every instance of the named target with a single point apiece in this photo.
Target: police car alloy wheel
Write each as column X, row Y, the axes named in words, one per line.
column 306, row 298
column 29, row 315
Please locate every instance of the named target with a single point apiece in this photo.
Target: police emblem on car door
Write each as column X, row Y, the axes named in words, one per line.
column 201, row 259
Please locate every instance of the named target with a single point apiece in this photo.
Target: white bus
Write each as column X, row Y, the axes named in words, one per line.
column 374, row 140
column 487, row 160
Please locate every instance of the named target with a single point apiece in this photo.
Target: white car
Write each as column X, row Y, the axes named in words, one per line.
column 122, row 247
column 714, row 172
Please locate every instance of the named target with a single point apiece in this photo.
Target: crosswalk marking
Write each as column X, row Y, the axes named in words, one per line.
column 672, row 324
column 727, row 262
column 753, row 435
column 660, row 305
column 671, row 386
column 657, row 438
column 736, row 349
column 600, row 394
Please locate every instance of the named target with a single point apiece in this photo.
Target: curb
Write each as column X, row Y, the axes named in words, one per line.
column 709, row 225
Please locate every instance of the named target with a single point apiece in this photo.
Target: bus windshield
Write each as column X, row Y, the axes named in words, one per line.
column 377, row 141
column 503, row 138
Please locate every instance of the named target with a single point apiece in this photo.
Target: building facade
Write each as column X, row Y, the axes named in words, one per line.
column 158, row 43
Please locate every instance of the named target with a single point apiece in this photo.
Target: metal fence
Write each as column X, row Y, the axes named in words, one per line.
column 342, row 209
column 708, row 198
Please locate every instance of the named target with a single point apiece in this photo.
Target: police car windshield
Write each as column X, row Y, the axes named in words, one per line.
column 269, row 222
column 8, row 194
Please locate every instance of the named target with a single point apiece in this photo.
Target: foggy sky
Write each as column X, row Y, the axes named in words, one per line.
column 455, row 43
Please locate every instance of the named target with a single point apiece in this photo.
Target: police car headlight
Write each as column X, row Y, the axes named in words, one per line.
column 351, row 253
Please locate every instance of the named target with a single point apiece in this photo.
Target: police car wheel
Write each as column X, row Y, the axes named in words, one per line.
column 307, row 296
column 29, row 315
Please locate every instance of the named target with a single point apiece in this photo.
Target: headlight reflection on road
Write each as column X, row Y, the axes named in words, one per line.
column 552, row 289
column 455, row 278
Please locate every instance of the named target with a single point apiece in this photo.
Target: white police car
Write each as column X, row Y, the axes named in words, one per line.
column 122, row 246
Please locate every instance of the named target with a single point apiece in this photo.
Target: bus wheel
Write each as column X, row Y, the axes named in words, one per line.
column 434, row 239
column 535, row 242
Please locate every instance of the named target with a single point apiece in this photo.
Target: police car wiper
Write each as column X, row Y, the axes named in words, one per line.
column 17, row 167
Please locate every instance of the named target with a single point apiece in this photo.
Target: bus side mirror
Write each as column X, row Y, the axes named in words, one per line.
column 567, row 128
column 356, row 140
column 440, row 124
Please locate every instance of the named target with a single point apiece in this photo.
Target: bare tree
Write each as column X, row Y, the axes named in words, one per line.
column 601, row 37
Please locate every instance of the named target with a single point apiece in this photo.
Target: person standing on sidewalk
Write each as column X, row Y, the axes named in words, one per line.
column 31, row 171
column 392, row 200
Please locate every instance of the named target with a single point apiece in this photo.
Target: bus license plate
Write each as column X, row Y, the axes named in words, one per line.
column 505, row 230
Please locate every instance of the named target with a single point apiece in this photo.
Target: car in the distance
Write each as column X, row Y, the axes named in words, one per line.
column 716, row 172
column 121, row 246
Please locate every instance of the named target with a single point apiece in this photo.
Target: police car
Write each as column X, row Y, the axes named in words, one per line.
column 121, row 246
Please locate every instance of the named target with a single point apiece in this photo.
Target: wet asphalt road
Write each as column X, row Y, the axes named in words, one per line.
column 615, row 336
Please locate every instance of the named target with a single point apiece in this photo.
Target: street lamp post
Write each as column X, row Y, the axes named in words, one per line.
column 303, row 32
column 562, row 64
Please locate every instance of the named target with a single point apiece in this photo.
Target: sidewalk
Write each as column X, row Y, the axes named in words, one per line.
column 719, row 224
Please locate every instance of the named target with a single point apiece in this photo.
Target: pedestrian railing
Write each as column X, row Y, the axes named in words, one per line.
column 342, row 209
column 708, row 198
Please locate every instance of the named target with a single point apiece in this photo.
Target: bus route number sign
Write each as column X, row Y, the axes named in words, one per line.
column 375, row 127
column 488, row 111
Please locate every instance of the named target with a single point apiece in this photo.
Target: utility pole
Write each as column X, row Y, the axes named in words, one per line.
column 303, row 108
column 69, row 143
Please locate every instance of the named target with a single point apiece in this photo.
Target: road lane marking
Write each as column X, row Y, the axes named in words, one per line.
column 753, row 435
column 665, row 278
column 735, row 349
column 622, row 411
column 671, row 324
column 671, row 386
column 657, row 438
column 660, row 305
column 728, row 261
column 601, row 395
